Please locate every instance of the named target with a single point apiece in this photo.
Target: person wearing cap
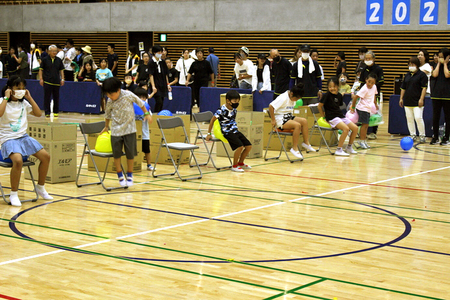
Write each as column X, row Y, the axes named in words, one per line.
column 243, row 68
column 69, row 57
column 280, row 73
column 215, row 65
column 87, row 56
column 307, row 71
column 261, row 80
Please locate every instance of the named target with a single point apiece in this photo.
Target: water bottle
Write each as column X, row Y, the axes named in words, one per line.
column 170, row 96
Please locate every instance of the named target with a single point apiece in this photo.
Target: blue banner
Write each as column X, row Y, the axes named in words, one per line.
column 374, row 12
column 400, row 12
column 429, row 12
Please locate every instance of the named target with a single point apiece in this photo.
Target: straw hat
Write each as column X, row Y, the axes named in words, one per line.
column 87, row 49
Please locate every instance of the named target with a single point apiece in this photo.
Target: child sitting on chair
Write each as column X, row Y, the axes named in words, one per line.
column 281, row 110
column 329, row 107
column 227, row 119
column 120, row 114
column 15, row 141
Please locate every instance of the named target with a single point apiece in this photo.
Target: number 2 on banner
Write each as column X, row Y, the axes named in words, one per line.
column 374, row 12
column 429, row 12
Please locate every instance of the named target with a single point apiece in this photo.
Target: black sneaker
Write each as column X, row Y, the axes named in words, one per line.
column 445, row 142
column 434, row 141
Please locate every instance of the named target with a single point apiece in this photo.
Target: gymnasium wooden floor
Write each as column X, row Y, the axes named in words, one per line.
column 372, row 226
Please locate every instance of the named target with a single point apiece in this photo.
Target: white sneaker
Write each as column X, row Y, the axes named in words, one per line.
column 130, row 181
column 237, row 169
column 350, row 150
column 308, row 148
column 341, row 152
column 296, row 153
column 14, row 200
column 123, row 182
column 149, row 168
column 367, row 145
column 245, row 167
column 43, row 193
column 361, row 145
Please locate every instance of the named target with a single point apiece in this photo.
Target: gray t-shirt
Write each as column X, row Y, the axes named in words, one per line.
column 121, row 113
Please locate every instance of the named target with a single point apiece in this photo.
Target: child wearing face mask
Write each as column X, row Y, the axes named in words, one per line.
column 128, row 84
column 14, row 140
column 412, row 97
column 227, row 119
column 344, row 87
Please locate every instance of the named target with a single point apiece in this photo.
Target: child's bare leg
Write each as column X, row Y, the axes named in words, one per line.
column 305, row 130
column 344, row 134
column 147, row 158
column 16, row 170
column 117, row 165
column 44, row 157
column 363, row 132
column 237, row 155
column 130, row 163
column 297, row 128
column 245, row 153
column 354, row 130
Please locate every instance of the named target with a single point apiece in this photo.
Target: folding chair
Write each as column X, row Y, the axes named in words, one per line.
column 169, row 124
column 27, row 164
column 92, row 128
column 206, row 117
column 280, row 133
column 319, row 129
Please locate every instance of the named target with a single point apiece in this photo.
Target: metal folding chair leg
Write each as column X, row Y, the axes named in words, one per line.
column 282, row 148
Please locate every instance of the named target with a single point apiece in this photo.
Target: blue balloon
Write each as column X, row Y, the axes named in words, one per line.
column 138, row 111
column 165, row 112
column 406, row 143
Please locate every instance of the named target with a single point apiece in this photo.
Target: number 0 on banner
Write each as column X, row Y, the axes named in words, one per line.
column 400, row 12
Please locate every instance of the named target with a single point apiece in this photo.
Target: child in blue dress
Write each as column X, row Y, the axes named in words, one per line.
column 14, row 140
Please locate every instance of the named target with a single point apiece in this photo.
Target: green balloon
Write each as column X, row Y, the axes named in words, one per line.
column 375, row 120
column 298, row 103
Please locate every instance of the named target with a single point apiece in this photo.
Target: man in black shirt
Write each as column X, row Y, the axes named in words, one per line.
column 51, row 74
column 280, row 73
column 113, row 59
column 202, row 72
column 158, row 77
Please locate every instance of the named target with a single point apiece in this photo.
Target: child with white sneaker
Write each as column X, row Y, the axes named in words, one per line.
column 15, row 141
column 281, row 110
column 367, row 99
column 227, row 119
column 329, row 107
column 142, row 94
column 120, row 114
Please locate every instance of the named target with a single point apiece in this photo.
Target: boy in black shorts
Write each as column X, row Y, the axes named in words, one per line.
column 120, row 114
column 227, row 119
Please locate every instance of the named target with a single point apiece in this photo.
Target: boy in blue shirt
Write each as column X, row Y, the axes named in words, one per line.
column 227, row 119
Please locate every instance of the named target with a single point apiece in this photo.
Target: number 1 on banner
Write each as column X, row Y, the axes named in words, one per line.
column 429, row 12
column 374, row 12
column 400, row 12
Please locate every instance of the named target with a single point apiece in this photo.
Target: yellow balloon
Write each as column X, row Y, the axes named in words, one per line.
column 103, row 143
column 217, row 130
column 323, row 123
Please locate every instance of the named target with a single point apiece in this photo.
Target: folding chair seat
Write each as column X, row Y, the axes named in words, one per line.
column 27, row 164
column 316, row 129
column 206, row 117
column 280, row 133
column 186, row 146
column 92, row 128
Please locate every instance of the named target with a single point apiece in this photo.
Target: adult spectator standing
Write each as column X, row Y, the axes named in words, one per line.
column 60, row 52
column 202, row 71
column 43, row 51
column 280, row 73
column 1, row 64
column 307, row 71
column 11, row 63
column 183, row 65
column 339, row 63
column 315, row 56
column 143, row 71
column 244, row 69
column 372, row 67
column 215, row 65
column 158, row 77
column 68, row 58
column 113, row 59
column 23, row 69
column 87, row 56
column 35, row 62
column 132, row 62
column 362, row 56
column 51, row 76
column 261, row 80
column 434, row 63
column 440, row 96
column 296, row 56
column 425, row 67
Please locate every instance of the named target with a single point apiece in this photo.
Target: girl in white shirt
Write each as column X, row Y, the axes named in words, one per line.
column 425, row 67
column 14, row 140
column 183, row 65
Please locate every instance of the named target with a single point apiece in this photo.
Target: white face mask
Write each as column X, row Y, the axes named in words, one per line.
column 305, row 55
column 413, row 69
column 19, row 94
column 368, row 62
column 158, row 55
column 32, row 46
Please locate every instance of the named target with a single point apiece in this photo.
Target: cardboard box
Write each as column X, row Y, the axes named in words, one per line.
column 254, row 133
column 52, row 132
column 101, row 162
column 245, row 104
column 63, row 162
column 164, row 157
column 250, row 118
